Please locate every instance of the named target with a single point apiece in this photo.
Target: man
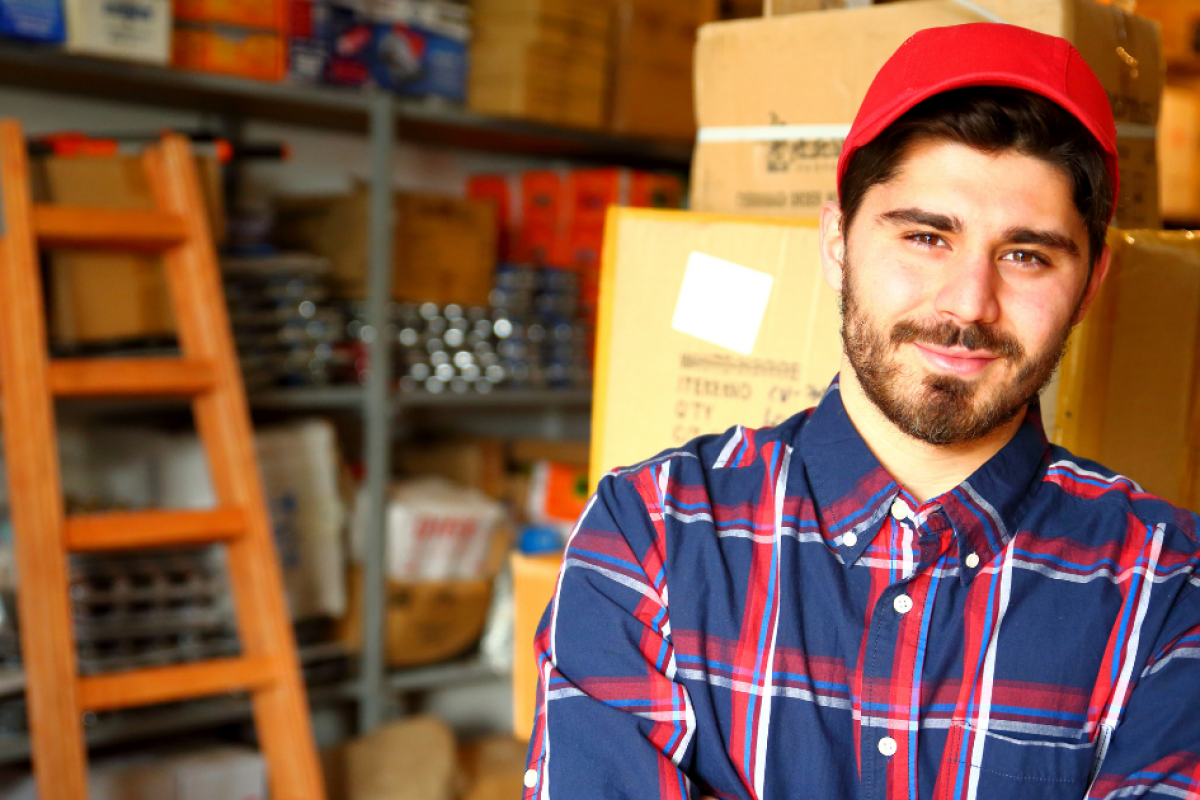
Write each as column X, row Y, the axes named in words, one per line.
column 905, row 592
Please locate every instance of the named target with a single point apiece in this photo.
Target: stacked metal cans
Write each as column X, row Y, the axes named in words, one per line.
column 529, row 337
column 287, row 329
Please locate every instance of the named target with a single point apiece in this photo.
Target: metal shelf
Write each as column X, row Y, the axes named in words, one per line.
column 214, row 712
column 350, row 398
column 50, row 69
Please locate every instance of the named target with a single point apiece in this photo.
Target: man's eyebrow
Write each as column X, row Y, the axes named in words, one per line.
column 918, row 216
column 1051, row 239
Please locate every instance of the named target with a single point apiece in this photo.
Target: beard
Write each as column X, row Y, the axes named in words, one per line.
column 941, row 409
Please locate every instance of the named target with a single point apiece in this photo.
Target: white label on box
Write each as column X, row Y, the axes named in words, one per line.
column 722, row 302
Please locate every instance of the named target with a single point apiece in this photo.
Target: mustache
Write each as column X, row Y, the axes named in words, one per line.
column 949, row 334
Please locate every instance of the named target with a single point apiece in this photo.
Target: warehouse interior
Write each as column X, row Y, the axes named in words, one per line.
column 446, row 241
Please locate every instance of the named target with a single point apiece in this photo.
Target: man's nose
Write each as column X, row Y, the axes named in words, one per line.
column 969, row 288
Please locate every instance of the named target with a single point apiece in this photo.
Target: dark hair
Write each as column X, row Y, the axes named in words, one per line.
column 991, row 119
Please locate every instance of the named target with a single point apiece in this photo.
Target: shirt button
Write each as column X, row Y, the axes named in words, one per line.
column 972, row 561
column 849, row 540
column 903, row 604
column 531, row 777
column 887, row 746
column 899, row 509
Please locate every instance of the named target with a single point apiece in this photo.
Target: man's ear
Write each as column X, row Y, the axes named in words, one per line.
column 833, row 245
column 1099, row 273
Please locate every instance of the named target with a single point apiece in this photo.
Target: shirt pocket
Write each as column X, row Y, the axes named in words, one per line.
column 1015, row 767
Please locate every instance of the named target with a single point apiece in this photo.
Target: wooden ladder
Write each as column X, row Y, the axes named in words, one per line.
column 44, row 535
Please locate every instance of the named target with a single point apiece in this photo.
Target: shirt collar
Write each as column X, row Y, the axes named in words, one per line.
column 854, row 494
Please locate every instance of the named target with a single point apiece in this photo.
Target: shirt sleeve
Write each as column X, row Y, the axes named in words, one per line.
column 611, row 721
column 1155, row 749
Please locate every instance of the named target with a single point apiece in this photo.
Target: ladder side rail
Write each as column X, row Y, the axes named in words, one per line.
column 223, row 422
column 35, row 493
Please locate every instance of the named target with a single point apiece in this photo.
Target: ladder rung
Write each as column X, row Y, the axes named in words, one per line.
column 141, row 687
column 130, row 377
column 141, row 529
column 98, row 228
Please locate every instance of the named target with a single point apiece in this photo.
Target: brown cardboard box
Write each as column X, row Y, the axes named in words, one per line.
column 534, row 580
column 652, row 66
column 1127, row 392
column 424, row 622
column 444, row 248
column 1179, row 154
column 755, row 78
column 477, row 463
column 541, row 59
column 650, row 398
column 408, row 759
column 1180, row 21
column 98, row 296
column 492, row 768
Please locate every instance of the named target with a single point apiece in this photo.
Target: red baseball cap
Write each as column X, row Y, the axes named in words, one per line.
column 936, row 60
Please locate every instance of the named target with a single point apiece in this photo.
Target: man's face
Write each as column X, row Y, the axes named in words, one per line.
column 961, row 280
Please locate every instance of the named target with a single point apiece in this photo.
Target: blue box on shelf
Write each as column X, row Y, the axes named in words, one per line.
column 32, row 20
column 417, row 62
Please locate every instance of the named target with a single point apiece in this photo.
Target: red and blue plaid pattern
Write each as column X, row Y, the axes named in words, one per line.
column 767, row 614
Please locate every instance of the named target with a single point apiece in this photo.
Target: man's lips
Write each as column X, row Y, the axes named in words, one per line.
column 955, row 360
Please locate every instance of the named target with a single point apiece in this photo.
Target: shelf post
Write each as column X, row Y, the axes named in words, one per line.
column 377, row 414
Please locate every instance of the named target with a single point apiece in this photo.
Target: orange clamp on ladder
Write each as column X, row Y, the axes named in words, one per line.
column 44, row 535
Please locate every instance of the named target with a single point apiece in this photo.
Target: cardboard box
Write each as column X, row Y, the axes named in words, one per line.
column 98, row 296
column 532, row 12
column 1127, row 395
column 424, row 622
column 653, row 67
column 1180, row 21
column 648, row 399
column 444, row 249
column 128, row 30
column 493, row 768
column 772, row 127
column 1179, row 154
column 534, row 582
column 272, row 14
column 408, row 759
column 229, row 50
column 32, row 20
column 544, row 81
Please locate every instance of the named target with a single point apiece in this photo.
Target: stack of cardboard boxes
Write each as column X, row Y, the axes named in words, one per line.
column 546, row 60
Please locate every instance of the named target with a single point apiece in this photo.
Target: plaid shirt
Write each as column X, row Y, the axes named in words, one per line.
column 767, row 614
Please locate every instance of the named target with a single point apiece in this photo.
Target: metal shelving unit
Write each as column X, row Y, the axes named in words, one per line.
column 383, row 118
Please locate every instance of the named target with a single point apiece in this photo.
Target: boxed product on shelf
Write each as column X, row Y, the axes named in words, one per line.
column 129, row 30
column 546, row 60
column 230, row 50
column 444, row 249
column 96, row 296
column 436, row 530
column 419, row 48
column 1179, row 153
column 474, row 462
column 770, row 137
column 405, row 759
column 308, row 50
column 243, row 13
column 32, row 20
column 424, row 621
column 299, row 464
column 412, row 47
column 652, row 66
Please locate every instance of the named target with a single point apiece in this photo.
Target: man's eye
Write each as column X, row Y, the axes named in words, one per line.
column 926, row 239
column 1025, row 257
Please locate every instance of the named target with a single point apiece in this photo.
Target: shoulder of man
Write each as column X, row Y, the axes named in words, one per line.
column 739, row 447
column 1094, row 493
